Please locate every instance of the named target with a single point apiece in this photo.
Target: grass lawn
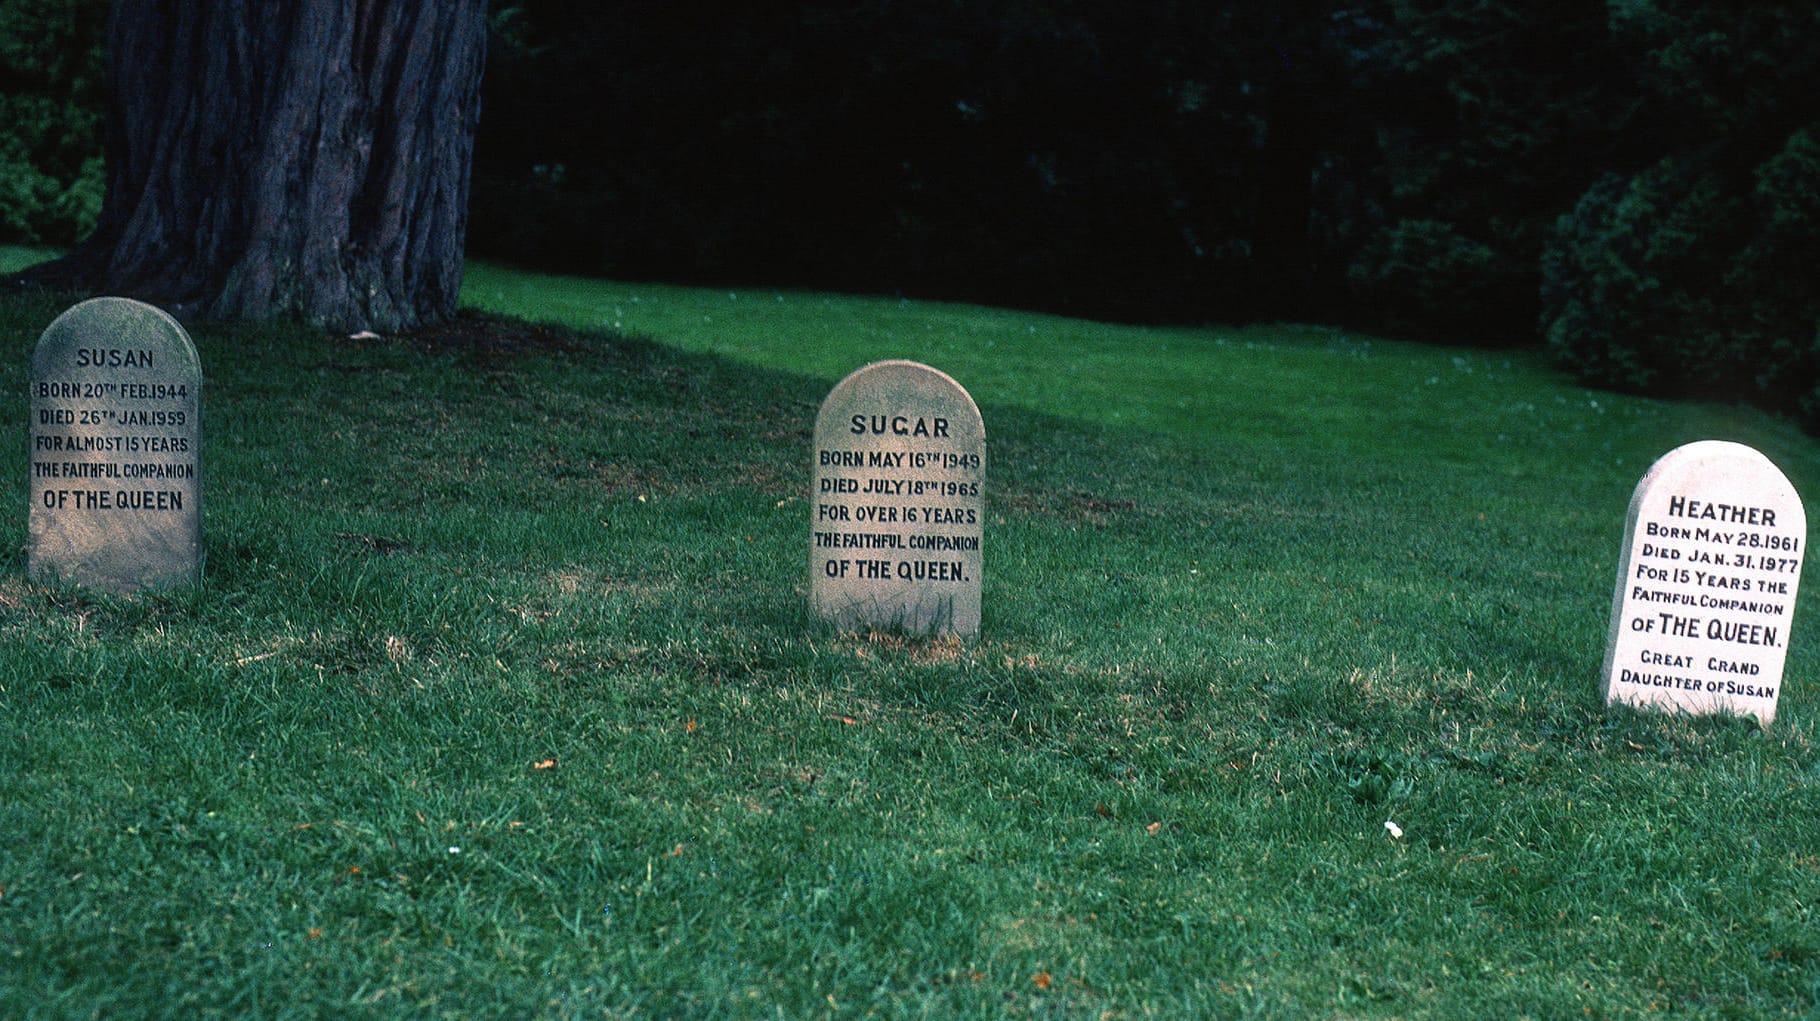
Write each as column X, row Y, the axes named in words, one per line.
column 500, row 696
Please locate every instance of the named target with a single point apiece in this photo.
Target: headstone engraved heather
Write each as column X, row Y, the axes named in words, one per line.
column 900, row 460
column 1706, row 584
column 116, row 396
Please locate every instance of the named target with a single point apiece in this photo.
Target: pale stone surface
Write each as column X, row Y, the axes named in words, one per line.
column 116, row 431
column 898, row 517
column 1706, row 584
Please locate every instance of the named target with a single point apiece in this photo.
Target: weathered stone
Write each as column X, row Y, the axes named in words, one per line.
column 1705, row 598
column 898, row 516
column 116, row 445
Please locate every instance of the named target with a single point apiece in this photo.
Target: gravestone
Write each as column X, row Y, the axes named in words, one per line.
column 1706, row 584
column 900, row 460
column 116, row 397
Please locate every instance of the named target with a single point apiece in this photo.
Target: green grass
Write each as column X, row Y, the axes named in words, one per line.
column 500, row 696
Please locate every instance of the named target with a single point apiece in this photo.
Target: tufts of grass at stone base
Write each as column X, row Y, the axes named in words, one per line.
column 501, row 697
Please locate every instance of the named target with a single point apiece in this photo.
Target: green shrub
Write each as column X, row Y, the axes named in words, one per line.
column 51, row 106
column 1777, row 271
column 1676, row 281
column 1426, row 276
column 1694, row 275
column 1617, row 305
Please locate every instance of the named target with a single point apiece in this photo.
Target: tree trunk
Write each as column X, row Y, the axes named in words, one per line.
column 306, row 159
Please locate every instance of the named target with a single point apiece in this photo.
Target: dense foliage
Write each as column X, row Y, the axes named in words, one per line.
column 1633, row 181
column 1695, row 272
column 50, row 119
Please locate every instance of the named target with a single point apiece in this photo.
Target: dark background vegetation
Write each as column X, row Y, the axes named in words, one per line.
column 1634, row 183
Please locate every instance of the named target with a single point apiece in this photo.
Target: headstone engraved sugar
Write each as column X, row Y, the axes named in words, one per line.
column 116, row 396
column 900, row 459
column 1706, row 584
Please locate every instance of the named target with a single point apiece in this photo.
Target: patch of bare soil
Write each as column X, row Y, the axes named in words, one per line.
column 490, row 341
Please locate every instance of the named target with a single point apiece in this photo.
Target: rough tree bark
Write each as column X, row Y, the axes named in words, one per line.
column 306, row 159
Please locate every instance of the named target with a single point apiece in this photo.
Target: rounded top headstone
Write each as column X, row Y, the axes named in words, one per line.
column 1719, row 466
column 899, row 381
column 85, row 322
column 897, row 524
column 1707, row 577
column 116, row 400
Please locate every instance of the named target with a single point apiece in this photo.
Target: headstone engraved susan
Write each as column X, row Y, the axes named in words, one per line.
column 1706, row 584
column 116, row 396
column 900, row 460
